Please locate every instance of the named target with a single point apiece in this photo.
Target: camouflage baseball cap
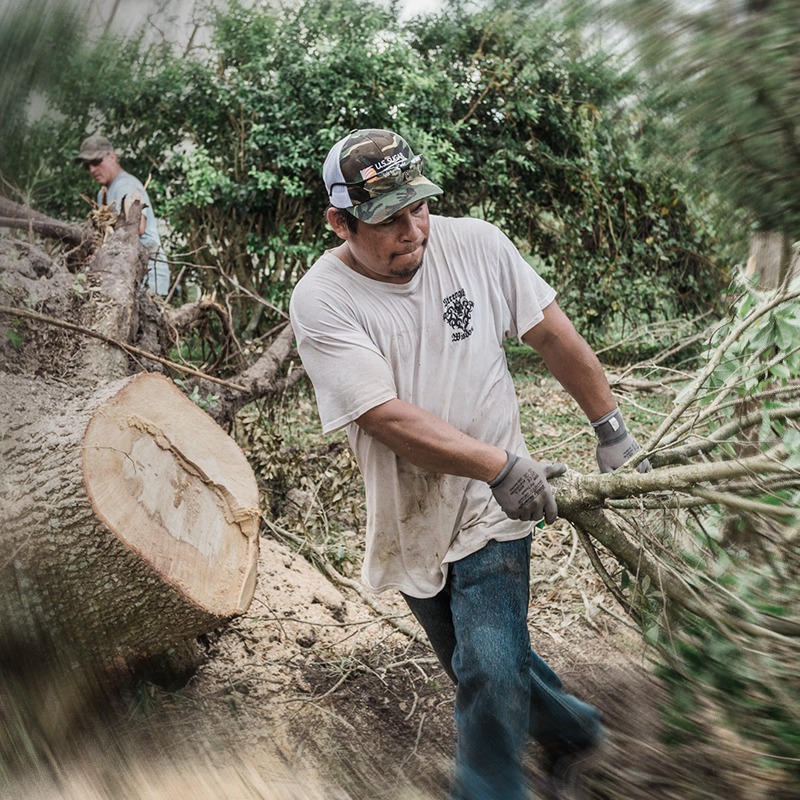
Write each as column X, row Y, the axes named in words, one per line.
column 373, row 173
column 93, row 147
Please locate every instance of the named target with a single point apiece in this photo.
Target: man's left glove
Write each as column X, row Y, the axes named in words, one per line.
column 615, row 445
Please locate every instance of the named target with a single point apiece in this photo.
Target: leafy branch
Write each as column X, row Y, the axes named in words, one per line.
column 704, row 550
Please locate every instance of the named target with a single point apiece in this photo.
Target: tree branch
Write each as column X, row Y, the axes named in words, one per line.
column 674, row 588
column 739, row 503
column 14, row 215
column 260, row 379
column 129, row 348
column 713, row 362
column 576, row 492
column 724, row 433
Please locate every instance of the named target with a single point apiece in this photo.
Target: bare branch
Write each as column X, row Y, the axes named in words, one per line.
column 673, row 586
column 726, row 432
column 575, row 492
column 14, row 215
column 129, row 348
column 739, row 503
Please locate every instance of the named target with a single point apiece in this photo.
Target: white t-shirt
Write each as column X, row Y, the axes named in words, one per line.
column 435, row 342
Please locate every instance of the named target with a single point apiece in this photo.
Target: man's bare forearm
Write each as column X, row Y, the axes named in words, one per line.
column 432, row 444
column 571, row 362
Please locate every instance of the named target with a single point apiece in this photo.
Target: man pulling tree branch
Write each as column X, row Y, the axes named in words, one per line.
column 401, row 329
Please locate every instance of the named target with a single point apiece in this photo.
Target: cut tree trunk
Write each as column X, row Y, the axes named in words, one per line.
column 129, row 517
column 771, row 260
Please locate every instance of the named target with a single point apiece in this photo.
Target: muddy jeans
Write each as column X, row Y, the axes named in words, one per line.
column 478, row 628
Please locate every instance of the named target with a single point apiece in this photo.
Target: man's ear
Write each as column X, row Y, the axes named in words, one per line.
column 338, row 224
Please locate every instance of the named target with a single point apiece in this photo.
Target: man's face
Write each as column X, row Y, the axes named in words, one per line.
column 104, row 169
column 392, row 250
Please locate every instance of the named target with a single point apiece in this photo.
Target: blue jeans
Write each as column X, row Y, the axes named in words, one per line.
column 505, row 692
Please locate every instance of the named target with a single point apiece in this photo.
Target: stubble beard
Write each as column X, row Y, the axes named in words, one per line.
column 409, row 272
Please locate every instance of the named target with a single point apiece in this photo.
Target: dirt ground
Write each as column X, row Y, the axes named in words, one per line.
column 327, row 681
column 316, row 694
column 337, row 685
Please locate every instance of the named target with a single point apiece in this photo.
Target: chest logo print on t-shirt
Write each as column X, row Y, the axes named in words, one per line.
column 458, row 314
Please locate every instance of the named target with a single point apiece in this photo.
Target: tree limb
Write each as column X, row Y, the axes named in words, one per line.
column 724, row 433
column 14, row 215
column 713, row 362
column 674, row 588
column 575, row 492
column 129, row 348
column 739, row 503
column 260, row 379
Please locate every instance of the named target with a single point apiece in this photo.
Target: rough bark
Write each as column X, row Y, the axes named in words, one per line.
column 771, row 259
column 130, row 519
column 115, row 273
column 121, row 315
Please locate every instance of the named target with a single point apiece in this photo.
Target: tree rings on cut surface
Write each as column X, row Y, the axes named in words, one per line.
column 176, row 490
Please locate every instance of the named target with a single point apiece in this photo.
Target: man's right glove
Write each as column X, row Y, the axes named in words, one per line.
column 522, row 491
column 614, row 444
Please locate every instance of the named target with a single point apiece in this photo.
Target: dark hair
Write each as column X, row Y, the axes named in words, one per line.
column 345, row 217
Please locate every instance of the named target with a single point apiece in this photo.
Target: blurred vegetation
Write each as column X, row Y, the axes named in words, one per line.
column 720, row 97
column 632, row 189
column 730, row 667
column 720, row 84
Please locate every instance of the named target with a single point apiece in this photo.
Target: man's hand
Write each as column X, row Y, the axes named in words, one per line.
column 615, row 445
column 522, row 491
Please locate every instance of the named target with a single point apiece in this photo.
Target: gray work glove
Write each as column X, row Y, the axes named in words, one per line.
column 615, row 445
column 522, row 491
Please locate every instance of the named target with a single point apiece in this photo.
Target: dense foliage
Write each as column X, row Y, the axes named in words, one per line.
column 736, row 669
column 518, row 120
column 35, row 41
column 723, row 83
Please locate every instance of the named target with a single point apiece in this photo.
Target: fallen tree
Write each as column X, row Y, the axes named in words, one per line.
column 150, row 329
column 727, row 455
column 129, row 516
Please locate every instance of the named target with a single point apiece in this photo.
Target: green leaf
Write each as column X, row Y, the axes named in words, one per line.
column 15, row 339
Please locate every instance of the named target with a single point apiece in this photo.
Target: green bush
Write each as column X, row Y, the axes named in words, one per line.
column 518, row 120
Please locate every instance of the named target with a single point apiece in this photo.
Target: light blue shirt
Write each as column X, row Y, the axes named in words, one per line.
column 126, row 185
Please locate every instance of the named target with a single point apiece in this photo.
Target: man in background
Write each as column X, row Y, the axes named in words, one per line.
column 99, row 158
